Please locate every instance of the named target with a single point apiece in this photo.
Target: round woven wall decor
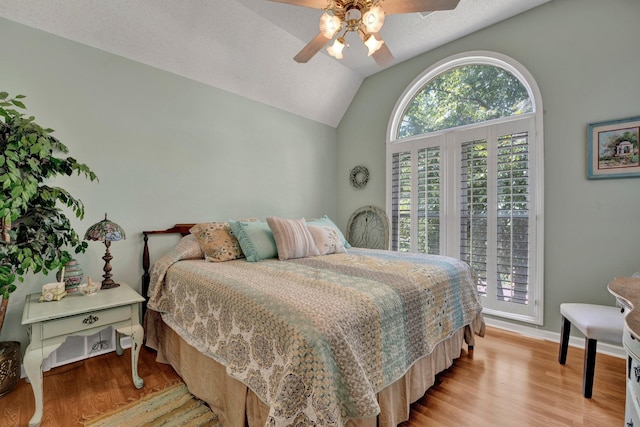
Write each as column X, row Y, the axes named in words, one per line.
column 359, row 176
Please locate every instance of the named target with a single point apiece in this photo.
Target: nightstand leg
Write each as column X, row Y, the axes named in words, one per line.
column 137, row 337
column 136, row 332
column 119, row 350
column 33, row 368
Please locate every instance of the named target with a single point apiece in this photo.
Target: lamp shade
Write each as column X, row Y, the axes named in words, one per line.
column 105, row 231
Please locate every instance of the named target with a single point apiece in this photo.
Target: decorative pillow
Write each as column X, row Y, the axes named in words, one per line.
column 326, row 221
column 255, row 238
column 217, row 241
column 293, row 239
column 327, row 240
column 188, row 248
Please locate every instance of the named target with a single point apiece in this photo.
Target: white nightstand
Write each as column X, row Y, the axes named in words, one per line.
column 50, row 323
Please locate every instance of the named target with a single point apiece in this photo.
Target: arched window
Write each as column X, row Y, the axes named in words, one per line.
column 464, row 165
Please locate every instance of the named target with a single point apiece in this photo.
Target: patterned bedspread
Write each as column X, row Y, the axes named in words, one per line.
column 316, row 338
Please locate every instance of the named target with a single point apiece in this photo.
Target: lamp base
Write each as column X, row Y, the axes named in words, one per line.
column 109, row 284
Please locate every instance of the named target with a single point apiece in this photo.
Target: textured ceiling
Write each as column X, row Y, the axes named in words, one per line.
column 247, row 46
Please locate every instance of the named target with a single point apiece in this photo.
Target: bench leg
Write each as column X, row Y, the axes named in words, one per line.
column 565, row 332
column 589, row 366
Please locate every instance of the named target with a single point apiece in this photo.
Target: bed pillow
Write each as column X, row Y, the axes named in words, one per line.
column 255, row 238
column 217, row 241
column 293, row 239
column 187, row 248
column 326, row 221
column 327, row 240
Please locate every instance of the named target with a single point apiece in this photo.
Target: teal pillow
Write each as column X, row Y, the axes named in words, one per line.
column 326, row 222
column 255, row 238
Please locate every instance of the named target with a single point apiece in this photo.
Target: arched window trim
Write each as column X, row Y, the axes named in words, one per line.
column 518, row 70
column 469, row 58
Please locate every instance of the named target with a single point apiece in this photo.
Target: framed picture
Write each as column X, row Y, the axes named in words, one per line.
column 613, row 148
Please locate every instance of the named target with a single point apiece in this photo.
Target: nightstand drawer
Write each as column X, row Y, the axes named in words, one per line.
column 81, row 322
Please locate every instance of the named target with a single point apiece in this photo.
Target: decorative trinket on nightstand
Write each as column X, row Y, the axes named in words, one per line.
column 90, row 288
column 53, row 292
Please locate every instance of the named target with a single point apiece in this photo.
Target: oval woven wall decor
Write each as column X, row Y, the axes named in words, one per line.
column 359, row 176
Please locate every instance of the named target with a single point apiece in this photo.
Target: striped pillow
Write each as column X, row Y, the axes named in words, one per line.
column 292, row 237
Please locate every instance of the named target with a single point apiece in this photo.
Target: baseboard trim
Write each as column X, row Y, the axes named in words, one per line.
column 574, row 341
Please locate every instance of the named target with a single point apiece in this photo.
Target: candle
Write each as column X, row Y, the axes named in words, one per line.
column 62, row 275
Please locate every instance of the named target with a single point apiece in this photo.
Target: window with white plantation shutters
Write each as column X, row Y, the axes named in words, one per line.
column 465, row 176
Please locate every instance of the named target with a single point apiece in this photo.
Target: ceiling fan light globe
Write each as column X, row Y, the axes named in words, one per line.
column 329, row 25
column 373, row 19
column 373, row 44
column 335, row 49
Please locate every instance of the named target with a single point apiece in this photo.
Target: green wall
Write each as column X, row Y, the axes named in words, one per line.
column 165, row 148
column 168, row 149
column 585, row 57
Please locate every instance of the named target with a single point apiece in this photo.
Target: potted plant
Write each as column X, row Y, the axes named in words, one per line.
column 35, row 233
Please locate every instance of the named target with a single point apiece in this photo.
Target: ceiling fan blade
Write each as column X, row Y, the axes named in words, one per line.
column 316, row 4
column 392, row 7
column 311, row 48
column 382, row 56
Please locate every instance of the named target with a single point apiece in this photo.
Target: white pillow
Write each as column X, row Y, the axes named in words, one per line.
column 327, row 240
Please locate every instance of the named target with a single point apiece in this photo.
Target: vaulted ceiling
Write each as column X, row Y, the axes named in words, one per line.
column 247, row 46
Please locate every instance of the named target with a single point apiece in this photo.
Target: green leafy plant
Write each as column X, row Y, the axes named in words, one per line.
column 36, row 235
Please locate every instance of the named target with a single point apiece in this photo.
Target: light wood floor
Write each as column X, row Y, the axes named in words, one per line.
column 508, row 380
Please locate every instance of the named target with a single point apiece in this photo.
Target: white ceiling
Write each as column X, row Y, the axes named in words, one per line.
column 247, row 46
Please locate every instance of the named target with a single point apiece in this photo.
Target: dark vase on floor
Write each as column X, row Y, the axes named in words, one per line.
column 9, row 365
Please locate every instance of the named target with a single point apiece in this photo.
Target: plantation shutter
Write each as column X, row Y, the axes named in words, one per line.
column 401, row 202
column 416, row 200
column 474, row 208
column 495, row 214
column 513, row 218
column 429, row 200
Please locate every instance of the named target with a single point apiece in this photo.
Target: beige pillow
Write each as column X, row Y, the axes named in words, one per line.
column 327, row 240
column 292, row 237
column 217, row 241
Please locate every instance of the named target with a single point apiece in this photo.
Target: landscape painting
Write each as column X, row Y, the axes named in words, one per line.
column 613, row 149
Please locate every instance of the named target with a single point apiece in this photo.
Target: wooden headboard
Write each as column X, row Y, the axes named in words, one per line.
column 182, row 229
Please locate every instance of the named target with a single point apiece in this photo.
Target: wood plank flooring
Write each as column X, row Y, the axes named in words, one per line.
column 508, row 380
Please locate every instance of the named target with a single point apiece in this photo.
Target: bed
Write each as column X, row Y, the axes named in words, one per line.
column 347, row 338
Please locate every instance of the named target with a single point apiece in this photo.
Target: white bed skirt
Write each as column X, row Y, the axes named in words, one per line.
column 238, row 406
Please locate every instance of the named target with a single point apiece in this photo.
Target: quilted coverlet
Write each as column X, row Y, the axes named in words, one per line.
column 316, row 338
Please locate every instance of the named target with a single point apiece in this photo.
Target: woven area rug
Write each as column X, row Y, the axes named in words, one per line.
column 173, row 406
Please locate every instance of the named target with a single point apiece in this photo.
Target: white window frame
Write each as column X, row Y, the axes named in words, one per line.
column 449, row 140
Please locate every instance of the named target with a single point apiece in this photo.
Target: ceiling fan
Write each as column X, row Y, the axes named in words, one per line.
column 364, row 17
